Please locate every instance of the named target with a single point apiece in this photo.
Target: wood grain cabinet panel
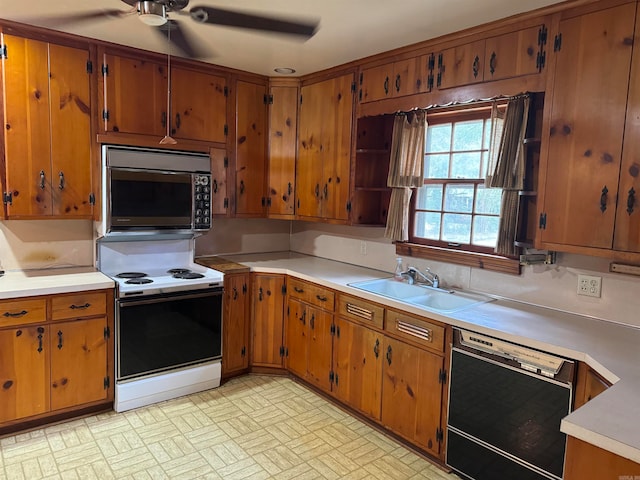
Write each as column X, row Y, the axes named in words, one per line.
column 514, row 54
column 582, row 164
column 267, row 293
column 397, row 79
column 47, row 105
column 84, row 304
column 461, row 65
column 236, row 323
column 219, row 182
column 586, row 461
column 22, row 312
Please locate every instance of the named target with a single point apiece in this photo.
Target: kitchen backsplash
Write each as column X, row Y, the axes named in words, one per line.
column 244, row 236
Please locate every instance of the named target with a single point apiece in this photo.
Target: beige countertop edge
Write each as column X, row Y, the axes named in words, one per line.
column 32, row 283
column 610, row 421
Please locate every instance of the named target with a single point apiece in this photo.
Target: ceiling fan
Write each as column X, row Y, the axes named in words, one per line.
column 155, row 13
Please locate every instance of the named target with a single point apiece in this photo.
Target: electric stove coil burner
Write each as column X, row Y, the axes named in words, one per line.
column 131, row 275
column 173, row 271
column 139, row 281
column 188, row 275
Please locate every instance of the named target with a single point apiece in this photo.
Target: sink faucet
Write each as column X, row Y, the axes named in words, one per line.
column 416, row 276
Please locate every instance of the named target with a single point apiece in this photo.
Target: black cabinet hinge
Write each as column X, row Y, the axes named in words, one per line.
column 243, row 352
column 225, row 204
column 105, row 70
column 268, row 99
column 557, row 43
column 541, row 59
column 92, row 199
column 7, row 198
column 300, row 99
column 226, row 91
column 361, row 77
column 105, row 114
column 360, row 95
column 353, row 87
column 244, row 288
column 3, row 52
column 430, row 82
column 226, row 129
column 439, row 435
column 542, row 35
column 335, row 379
column 263, row 201
column 348, row 206
column 431, row 64
column 542, row 224
column 106, row 382
column 331, row 376
column 288, row 311
column 338, row 331
column 282, row 350
column 284, row 289
column 442, row 376
column 332, row 329
column 225, row 162
column 89, row 66
column 107, row 333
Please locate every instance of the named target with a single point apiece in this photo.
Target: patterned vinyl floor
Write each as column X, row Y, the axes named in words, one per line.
column 253, row 427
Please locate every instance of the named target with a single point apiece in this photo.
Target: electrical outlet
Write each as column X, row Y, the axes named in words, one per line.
column 363, row 248
column 589, row 285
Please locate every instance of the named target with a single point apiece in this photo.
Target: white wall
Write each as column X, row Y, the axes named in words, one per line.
column 553, row 286
column 33, row 244
column 238, row 235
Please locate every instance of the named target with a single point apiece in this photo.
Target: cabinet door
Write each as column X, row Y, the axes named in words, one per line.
column 586, row 127
column 411, row 393
column 336, row 139
column 78, row 362
column 219, row 179
column 70, row 131
column 27, row 133
column 134, row 96
column 296, row 340
column 235, row 329
column 24, row 372
column 320, row 348
column 461, row 65
column 376, row 83
column 267, row 326
column 627, row 226
column 251, row 138
column 512, row 54
column 283, row 114
column 198, row 105
column 357, row 365
column 411, row 76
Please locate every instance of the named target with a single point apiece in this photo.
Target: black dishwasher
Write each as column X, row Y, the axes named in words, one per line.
column 505, row 406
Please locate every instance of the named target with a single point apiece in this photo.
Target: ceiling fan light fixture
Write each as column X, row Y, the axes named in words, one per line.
column 152, row 13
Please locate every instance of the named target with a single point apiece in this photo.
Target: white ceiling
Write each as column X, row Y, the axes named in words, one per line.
column 349, row 29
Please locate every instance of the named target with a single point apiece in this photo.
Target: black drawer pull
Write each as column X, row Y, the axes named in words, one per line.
column 59, row 339
column 322, row 298
column 80, row 307
column 298, row 290
column 15, row 315
column 389, row 354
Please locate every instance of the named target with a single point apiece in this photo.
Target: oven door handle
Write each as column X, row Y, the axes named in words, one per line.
column 168, row 298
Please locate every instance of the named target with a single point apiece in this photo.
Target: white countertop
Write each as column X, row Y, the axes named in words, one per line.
column 30, row 283
column 610, row 421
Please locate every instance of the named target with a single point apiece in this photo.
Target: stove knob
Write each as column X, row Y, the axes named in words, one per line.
column 198, row 188
column 204, row 180
column 206, row 220
column 206, row 212
column 198, row 220
column 198, row 196
column 206, row 197
column 199, row 212
column 206, row 189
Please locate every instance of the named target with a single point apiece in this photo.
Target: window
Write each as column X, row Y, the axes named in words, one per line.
column 453, row 209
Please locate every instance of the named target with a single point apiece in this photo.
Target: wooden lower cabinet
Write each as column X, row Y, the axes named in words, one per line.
column 412, row 394
column 584, row 461
column 267, row 327
column 589, row 384
column 235, row 328
column 357, row 366
column 59, row 364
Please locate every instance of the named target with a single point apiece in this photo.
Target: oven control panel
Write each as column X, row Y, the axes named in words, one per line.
column 201, row 201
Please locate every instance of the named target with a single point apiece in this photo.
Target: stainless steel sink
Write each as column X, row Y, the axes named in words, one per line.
column 438, row 300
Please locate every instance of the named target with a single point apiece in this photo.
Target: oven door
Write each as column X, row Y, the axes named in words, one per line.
column 170, row 331
column 149, row 200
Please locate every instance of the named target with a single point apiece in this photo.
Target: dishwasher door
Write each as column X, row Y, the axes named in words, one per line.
column 504, row 420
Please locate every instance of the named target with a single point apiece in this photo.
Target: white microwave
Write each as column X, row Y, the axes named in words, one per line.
column 155, row 191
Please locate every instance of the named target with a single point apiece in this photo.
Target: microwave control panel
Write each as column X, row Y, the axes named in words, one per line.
column 201, row 201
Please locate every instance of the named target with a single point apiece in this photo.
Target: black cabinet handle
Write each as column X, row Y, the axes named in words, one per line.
column 298, row 290
column 397, row 82
column 80, row 307
column 603, row 199
column 290, row 188
column 376, row 348
column 492, row 63
column 312, row 322
column 241, row 187
column 317, row 190
column 303, row 317
column 178, row 122
column 15, row 315
column 389, row 354
column 326, row 191
column 476, row 66
column 163, row 119
column 260, row 295
column 61, row 184
column 235, row 293
column 215, row 186
column 322, row 298
column 631, row 201
column 59, row 339
column 386, row 85
column 40, row 332
column 42, row 179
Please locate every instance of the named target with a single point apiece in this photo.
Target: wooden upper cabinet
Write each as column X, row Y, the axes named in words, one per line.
column 627, row 226
column 251, row 148
column 47, row 130
column 461, row 65
column 324, row 152
column 134, row 96
column 587, row 121
column 198, row 105
column 516, row 53
column 283, row 121
column 397, row 79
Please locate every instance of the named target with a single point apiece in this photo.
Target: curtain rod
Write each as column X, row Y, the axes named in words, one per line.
column 474, row 104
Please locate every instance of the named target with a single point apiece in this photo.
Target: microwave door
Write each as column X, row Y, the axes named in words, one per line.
column 150, row 200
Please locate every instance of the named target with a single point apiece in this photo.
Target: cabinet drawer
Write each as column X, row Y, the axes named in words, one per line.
column 21, row 312
column 415, row 329
column 83, row 304
column 360, row 310
column 310, row 293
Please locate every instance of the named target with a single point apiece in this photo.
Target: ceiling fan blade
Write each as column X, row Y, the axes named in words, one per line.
column 60, row 21
column 180, row 39
column 219, row 16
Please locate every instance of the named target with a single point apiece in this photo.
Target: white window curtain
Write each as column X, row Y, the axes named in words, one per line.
column 507, row 168
column 406, row 170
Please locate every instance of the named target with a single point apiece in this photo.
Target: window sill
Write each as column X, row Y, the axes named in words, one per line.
column 485, row 261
